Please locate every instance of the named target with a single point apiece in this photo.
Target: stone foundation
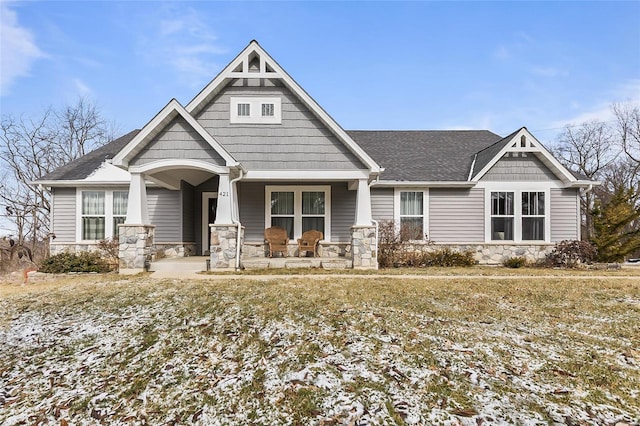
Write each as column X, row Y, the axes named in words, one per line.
column 223, row 246
column 496, row 254
column 363, row 247
column 172, row 250
column 136, row 243
column 71, row 248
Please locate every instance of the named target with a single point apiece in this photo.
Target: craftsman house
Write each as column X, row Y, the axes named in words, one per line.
column 253, row 150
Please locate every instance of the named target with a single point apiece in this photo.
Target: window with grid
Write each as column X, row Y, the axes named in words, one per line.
column 313, row 211
column 283, row 211
column 412, row 215
column 120, row 199
column 244, row 110
column 268, row 110
column 502, row 215
column 533, row 215
column 93, row 215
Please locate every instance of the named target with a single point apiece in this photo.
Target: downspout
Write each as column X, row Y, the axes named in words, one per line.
column 375, row 222
column 236, row 213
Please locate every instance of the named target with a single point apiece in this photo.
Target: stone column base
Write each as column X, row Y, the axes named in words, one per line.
column 136, row 242
column 364, row 247
column 223, row 246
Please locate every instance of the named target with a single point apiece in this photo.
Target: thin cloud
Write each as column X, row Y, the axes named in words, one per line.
column 548, row 72
column 18, row 48
column 81, row 87
column 183, row 40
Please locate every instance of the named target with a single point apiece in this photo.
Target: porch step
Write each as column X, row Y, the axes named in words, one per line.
column 180, row 264
column 295, row 262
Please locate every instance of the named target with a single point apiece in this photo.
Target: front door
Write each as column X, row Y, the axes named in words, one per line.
column 209, row 206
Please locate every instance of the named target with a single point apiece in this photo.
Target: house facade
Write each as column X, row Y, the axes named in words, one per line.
column 253, row 150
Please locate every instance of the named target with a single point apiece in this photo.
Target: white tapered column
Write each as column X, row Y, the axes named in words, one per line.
column 363, row 204
column 223, row 210
column 137, row 212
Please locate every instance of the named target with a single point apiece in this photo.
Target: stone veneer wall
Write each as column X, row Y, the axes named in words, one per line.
column 223, row 245
column 252, row 250
column 363, row 247
column 171, row 250
column 136, row 244
column 496, row 254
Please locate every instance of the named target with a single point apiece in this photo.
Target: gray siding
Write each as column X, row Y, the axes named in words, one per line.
column 301, row 141
column 165, row 214
column 252, row 208
column 343, row 212
column 382, row 203
column 512, row 169
column 177, row 140
column 188, row 212
column 210, row 185
column 565, row 209
column 456, row 215
column 64, row 214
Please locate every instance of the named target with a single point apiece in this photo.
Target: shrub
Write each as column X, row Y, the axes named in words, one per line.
column 571, row 253
column 515, row 262
column 75, row 262
column 448, row 258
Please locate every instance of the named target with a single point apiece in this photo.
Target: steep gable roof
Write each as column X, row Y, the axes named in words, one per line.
column 255, row 62
column 424, row 156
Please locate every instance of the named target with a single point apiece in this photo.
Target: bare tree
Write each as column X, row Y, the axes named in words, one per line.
column 588, row 149
column 31, row 148
column 628, row 129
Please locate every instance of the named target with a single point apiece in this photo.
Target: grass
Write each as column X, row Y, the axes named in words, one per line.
column 323, row 351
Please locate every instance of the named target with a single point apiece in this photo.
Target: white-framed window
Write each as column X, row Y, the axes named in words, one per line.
column 244, row 110
column 502, row 215
column 99, row 213
column 298, row 209
column 410, row 212
column 255, row 110
column 517, row 213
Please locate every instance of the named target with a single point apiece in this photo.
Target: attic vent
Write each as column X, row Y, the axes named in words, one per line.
column 269, row 69
column 523, row 141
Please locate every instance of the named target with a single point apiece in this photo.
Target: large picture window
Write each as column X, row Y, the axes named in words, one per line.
column 298, row 209
column 518, row 215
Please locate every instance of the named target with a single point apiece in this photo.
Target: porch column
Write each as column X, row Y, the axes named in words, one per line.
column 223, row 211
column 137, row 211
column 363, row 204
column 136, row 234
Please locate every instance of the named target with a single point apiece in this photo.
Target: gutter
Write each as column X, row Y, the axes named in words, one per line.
column 235, row 213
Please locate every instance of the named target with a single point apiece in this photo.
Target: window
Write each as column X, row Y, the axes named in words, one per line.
column 120, row 200
column 93, row 215
column 533, row 215
column 298, row 209
column 100, row 213
column 412, row 215
column 255, row 110
column 244, row 110
column 267, row 110
column 502, row 215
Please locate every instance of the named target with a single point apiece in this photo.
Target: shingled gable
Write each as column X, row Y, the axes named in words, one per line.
column 521, row 141
column 172, row 110
column 239, row 68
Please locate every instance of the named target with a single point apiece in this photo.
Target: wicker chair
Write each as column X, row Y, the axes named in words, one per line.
column 277, row 238
column 309, row 242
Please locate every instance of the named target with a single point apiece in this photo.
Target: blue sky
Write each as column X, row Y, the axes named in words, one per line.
column 371, row 65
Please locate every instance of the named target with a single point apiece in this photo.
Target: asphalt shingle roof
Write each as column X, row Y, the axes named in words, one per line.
column 82, row 167
column 431, row 155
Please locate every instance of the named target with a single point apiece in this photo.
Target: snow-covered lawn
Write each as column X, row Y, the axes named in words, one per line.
column 326, row 351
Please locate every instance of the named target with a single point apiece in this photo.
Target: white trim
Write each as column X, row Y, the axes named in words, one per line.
column 255, row 110
column 425, row 206
column 108, row 212
column 532, row 147
column 297, row 206
column 517, row 210
column 205, row 212
column 305, row 175
column 254, row 48
column 431, row 184
column 157, row 123
column 174, row 163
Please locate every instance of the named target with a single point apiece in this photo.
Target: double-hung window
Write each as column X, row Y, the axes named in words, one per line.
column 298, row 209
column 502, row 217
column 244, row 110
column 411, row 213
column 100, row 213
column 518, row 215
column 533, row 215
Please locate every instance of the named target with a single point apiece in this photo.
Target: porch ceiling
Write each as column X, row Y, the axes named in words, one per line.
column 171, row 178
